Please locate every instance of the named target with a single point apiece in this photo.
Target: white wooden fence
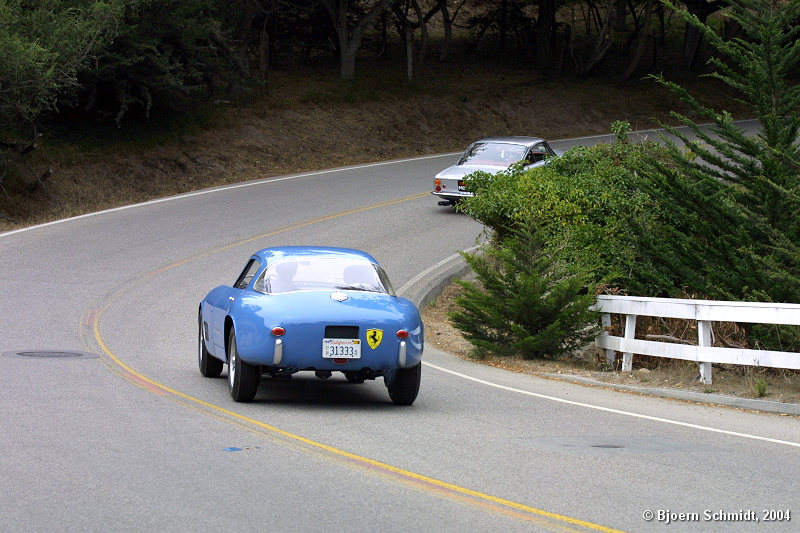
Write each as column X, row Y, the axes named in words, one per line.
column 704, row 312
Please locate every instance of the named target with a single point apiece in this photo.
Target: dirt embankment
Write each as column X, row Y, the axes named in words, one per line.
column 294, row 131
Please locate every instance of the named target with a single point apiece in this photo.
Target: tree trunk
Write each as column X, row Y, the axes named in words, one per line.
column 502, row 23
column 641, row 43
column 604, row 41
column 384, row 40
column 692, row 36
column 448, row 29
column 691, row 44
column 248, row 12
column 545, row 34
column 409, row 52
column 263, row 59
column 350, row 40
column 347, row 69
column 620, row 11
column 423, row 46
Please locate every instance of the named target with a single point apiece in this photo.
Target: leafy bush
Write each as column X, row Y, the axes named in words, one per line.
column 558, row 232
column 168, row 55
column 588, row 204
column 43, row 46
column 629, row 216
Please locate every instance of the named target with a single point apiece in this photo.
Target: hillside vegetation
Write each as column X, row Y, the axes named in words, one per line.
column 310, row 121
column 127, row 100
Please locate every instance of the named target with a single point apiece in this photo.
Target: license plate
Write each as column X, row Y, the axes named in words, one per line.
column 461, row 186
column 341, row 348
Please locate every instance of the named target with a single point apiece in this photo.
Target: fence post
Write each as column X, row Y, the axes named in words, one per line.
column 704, row 339
column 605, row 321
column 630, row 333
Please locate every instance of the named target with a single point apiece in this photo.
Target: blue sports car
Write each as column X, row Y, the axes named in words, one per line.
column 311, row 308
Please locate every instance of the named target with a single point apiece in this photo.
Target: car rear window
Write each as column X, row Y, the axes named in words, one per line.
column 490, row 153
column 289, row 275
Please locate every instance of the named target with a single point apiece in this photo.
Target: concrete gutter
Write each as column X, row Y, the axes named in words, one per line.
column 690, row 396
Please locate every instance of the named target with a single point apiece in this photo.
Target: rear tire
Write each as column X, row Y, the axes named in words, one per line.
column 210, row 366
column 243, row 378
column 404, row 383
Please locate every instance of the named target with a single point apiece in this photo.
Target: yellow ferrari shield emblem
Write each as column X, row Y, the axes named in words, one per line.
column 374, row 337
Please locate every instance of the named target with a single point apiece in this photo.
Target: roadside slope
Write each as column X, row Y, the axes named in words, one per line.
column 296, row 130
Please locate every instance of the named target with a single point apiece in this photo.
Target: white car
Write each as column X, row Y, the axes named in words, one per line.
column 492, row 155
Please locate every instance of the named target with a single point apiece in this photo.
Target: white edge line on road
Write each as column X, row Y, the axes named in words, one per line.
column 224, row 188
column 615, row 411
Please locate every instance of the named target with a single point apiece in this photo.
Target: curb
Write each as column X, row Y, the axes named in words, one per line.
column 426, row 286
column 691, row 396
column 429, row 284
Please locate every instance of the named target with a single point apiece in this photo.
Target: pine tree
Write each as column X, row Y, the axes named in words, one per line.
column 529, row 302
column 756, row 175
column 761, row 170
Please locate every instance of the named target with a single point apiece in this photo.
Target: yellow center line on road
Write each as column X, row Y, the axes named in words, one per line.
column 473, row 497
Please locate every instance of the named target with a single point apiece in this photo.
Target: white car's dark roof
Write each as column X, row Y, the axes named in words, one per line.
column 526, row 141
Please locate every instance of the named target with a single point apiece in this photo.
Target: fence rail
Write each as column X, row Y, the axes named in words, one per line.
column 704, row 312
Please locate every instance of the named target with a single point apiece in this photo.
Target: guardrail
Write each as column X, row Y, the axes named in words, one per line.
column 704, row 312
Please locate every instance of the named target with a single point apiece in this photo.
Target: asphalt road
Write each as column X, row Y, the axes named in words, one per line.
column 116, row 430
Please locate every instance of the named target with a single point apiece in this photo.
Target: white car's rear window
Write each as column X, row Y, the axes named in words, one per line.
column 492, row 154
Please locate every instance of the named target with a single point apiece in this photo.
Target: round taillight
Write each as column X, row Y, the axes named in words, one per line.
column 278, row 331
column 402, row 333
column 438, row 188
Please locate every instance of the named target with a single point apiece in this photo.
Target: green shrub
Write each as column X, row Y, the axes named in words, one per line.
column 168, row 55
column 627, row 214
column 44, row 45
column 588, row 204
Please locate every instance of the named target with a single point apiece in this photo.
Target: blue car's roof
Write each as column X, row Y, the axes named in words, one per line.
column 275, row 253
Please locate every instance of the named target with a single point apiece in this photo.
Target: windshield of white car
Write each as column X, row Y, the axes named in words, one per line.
column 290, row 275
column 490, row 153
